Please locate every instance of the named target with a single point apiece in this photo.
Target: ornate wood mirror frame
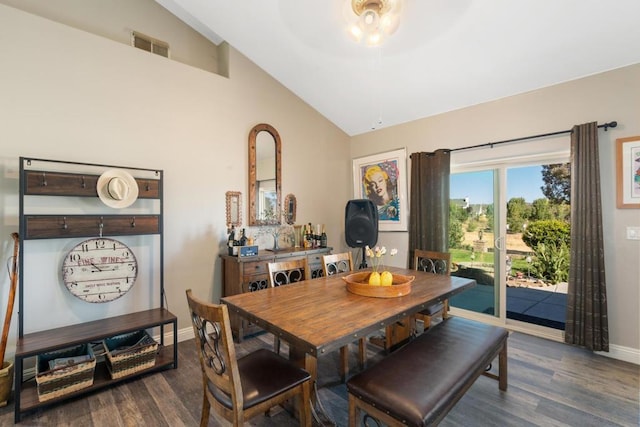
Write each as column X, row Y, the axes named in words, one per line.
column 234, row 208
column 290, row 205
column 265, row 181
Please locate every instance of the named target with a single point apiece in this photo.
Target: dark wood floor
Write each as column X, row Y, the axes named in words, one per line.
column 550, row 384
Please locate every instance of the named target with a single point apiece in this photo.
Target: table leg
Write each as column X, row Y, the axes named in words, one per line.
column 396, row 334
column 402, row 330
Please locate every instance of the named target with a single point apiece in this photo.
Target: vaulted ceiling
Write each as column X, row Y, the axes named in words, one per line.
column 445, row 55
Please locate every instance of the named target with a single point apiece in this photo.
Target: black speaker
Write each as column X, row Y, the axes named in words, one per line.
column 361, row 223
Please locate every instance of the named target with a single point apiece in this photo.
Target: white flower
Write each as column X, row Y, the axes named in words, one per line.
column 377, row 255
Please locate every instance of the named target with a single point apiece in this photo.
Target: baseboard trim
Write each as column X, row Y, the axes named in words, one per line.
column 183, row 335
column 626, row 354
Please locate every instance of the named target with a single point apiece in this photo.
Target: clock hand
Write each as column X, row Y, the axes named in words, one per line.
column 96, row 267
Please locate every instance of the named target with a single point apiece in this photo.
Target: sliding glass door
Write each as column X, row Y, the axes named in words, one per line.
column 509, row 230
column 537, row 243
column 472, row 222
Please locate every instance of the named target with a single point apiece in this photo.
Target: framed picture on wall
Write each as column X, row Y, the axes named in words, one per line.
column 382, row 179
column 628, row 170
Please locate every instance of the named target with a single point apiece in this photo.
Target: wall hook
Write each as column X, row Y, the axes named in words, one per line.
column 101, row 225
column 133, row 222
column 44, row 179
column 84, row 184
column 64, row 223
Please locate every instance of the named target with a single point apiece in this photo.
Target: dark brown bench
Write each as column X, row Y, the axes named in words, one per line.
column 419, row 383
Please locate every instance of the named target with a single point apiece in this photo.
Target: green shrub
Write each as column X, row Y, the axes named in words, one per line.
column 549, row 231
column 551, row 262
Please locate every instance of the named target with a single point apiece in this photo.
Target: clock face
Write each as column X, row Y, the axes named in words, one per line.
column 99, row 270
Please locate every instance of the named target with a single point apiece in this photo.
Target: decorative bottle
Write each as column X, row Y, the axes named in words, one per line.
column 307, row 237
column 323, row 238
column 243, row 239
column 230, row 240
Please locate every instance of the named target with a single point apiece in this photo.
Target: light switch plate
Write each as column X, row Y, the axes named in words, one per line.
column 633, row 233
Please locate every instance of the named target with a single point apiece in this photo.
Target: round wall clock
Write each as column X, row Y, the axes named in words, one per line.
column 99, row 270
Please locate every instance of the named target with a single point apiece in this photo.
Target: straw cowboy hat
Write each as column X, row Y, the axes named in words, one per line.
column 117, row 188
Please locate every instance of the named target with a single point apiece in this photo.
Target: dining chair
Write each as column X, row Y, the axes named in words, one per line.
column 240, row 389
column 438, row 263
column 335, row 264
column 283, row 273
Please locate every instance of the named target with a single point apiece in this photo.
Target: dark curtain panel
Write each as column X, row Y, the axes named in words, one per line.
column 586, row 323
column 429, row 202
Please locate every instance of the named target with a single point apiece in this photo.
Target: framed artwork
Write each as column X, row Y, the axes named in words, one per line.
column 382, row 179
column 628, row 172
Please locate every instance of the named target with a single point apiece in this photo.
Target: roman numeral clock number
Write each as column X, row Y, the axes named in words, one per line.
column 99, row 270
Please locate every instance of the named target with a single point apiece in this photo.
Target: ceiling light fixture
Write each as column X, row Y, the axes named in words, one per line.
column 373, row 20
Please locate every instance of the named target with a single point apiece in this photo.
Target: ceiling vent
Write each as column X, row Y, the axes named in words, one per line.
column 149, row 44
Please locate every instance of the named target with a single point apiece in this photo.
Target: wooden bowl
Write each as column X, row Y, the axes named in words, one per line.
column 358, row 283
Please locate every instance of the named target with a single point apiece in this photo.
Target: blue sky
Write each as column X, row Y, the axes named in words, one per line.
column 478, row 186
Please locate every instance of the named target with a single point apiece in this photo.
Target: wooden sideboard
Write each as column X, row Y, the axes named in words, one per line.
column 248, row 274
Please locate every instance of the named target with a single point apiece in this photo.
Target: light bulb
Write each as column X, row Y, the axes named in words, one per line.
column 369, row 21
column 374, row 39
column 389, row 23
column 355, row 32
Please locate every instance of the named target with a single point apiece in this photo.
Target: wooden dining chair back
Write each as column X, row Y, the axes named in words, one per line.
column 285, row 272
column 342, row 263
column 240, row 389
column 432, row 262
column 337, row 263
column 438, row 263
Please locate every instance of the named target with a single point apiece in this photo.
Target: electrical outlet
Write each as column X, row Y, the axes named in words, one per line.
column 633, row 233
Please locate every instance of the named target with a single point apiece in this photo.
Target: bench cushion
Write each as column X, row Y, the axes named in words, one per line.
column 420, row 382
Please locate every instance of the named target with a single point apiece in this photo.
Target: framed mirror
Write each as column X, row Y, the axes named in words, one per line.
column 265, row 180
column 234, row 208
column 290, row 205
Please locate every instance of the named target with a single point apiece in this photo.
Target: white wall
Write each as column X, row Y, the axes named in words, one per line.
column 614, row 95
column 70, row 95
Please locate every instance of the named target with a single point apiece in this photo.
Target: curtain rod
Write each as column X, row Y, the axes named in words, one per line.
column 606, row 126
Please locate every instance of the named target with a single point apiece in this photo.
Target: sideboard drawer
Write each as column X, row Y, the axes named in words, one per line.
column 254, row 267
column 315, row 259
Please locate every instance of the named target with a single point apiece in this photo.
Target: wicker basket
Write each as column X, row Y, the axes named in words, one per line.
column 67, row 375
column 358, row 283
column 130, row 353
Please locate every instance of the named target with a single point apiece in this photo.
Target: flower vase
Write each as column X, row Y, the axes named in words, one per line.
column 276, row 242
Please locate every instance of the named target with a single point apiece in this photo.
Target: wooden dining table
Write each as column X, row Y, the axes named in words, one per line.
column 318, row 316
